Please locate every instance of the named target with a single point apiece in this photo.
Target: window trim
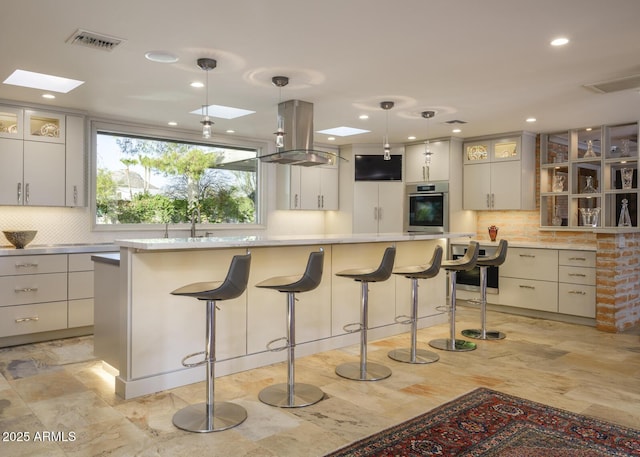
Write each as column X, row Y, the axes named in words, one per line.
column 116, row 127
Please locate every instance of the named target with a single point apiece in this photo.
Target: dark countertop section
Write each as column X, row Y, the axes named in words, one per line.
column 109, row 258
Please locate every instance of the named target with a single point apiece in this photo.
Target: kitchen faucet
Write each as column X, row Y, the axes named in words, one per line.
column 195, row 218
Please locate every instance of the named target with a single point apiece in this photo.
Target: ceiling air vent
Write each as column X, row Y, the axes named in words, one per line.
column 615, row 85
column 94, row 40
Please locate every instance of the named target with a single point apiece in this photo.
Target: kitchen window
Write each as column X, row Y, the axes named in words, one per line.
column 145, row 177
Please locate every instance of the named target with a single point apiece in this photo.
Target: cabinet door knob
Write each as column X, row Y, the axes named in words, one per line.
column 19, row 192
column 75, row 194
column 488, row 202
column 26, row 193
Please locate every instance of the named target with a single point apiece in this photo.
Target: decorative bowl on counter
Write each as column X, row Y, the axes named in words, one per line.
column 20, row 238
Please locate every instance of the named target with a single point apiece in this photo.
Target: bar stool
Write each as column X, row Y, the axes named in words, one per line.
column 412, row 354
column 293, row 394
column 363, row 371
column 466, row 262
column 213, row 416
column 484, row 263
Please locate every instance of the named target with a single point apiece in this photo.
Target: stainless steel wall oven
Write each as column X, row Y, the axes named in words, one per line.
column 427, row 207
column 470, row 280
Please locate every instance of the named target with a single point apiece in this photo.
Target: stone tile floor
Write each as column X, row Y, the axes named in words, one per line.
column 58, row 394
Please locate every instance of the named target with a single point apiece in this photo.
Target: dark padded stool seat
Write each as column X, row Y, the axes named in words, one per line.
column 465, row 263
column 484, row 263
column 292, row 394
column 430, row 270
column 363, row 371
column 213, row 416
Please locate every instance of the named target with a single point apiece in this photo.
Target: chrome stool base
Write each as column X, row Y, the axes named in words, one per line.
column 488, row 334
column 447, row 344
column 302, row 395
column 371, row 372
column 421, row 356
column 194, row 418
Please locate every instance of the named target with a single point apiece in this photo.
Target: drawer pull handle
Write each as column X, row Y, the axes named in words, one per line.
column 582, row 259
column 26, row 265
column 522, row 286
column 26, row 289
column 27, row 319
column 582, row 275
column 578, row 292
column 528, row 255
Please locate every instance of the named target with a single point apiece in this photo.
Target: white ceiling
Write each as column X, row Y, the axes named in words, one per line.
column 486, row 62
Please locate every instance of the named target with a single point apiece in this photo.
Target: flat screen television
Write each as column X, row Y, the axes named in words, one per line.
column 375, row 168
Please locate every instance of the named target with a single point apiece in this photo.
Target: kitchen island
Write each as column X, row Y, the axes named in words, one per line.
column 143, row 331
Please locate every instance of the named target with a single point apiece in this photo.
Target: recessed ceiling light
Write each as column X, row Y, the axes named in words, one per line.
column 41, row 81
column 531, row 119
column 332, row 138
column 161, row 57
column 363, row 116
column 197, row 84
column 411, row 137
column 588, row 129
column 48, row 96
column 223, row 112
column 560, row 41
column 172, row 123
column 343, row 131
column 456, row 130
column 230, row 131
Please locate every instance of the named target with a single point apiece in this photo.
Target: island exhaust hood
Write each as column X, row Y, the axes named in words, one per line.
column 297, row 117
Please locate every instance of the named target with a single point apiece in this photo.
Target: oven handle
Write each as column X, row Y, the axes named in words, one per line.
column 420, row 194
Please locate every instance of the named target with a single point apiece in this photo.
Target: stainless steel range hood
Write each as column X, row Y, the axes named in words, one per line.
column 297, row 117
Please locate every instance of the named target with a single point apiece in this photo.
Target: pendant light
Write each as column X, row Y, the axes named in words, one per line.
column 280, row 82
column 427, row 150
column 206, row 64
column 385, row 142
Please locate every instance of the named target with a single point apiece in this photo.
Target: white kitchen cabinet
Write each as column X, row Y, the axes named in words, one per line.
column 75, row 164
column 378, row 207
column 307, row 188
column 11, row 160
column 415, row 168
column 577, row 283
column 43, row 181
column 80, row 290
column 499, row 173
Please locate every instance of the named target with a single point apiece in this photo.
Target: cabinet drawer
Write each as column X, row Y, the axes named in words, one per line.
column 24, row 319
column 577, row 258
column 20, row 290
column 540, row 264
column 80, row 284
column 577, row 300
column 524, row 293
column 33, row 264
column 80, row 312
column 80, row 262
column 577, row 275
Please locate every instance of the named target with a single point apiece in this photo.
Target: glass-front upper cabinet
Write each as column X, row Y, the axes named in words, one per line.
column 43, row 126
column 10, row 122
column 477, row 151
column 492, row 150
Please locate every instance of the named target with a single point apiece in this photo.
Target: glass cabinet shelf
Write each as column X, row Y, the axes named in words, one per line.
column 588, row 177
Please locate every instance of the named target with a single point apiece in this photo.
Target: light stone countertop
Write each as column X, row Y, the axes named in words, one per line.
column 159, row 244
column 530, row 244
column 71, row 248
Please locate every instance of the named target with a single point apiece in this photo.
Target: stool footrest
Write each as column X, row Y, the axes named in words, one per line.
column 194, row 364
column 405, row 320
column 443, row 308
column 358, row 328
column 279, row 348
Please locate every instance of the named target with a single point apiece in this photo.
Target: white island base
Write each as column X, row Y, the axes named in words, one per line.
column 143, row 331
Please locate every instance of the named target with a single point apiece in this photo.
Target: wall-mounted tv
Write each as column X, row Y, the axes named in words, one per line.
column 375, row 168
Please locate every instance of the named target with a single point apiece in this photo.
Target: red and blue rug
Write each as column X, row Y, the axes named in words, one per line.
column 489, row 423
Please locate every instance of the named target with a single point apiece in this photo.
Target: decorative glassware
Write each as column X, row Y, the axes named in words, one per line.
column 590, row 153
column 627, row 177
column 493, row 232
column 625, row 218
column 588, row 188
column 590, row 216
column 624, row 152
column 556, row 220
column 558, row 183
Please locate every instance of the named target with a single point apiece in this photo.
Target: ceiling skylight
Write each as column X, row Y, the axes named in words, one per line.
column 41, row 81
column 343, row 131
column 223, row 112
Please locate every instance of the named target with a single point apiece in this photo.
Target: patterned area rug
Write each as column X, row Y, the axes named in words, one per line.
column 489, row 423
